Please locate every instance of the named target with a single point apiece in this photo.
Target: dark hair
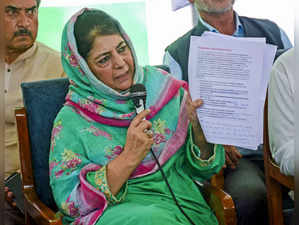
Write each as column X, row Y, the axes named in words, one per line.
column 89, row 25
column 38, row 3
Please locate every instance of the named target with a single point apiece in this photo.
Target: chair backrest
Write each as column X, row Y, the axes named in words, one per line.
column 42, row 101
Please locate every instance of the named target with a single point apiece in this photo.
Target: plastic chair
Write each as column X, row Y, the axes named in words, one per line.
column 42, row 101
column 274, row 179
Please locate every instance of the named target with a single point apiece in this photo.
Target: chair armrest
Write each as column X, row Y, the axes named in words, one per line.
column 275, row 173
column 37, row 210
column 217, row 179
column 220, row 202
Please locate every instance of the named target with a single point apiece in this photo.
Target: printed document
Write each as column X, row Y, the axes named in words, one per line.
column 178, row 4
column 230, row 75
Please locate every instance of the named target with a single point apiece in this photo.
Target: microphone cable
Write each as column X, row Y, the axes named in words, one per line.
column 170, row 189
column 138, row 95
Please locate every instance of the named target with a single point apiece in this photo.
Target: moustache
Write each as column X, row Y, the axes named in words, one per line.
column 22, row 32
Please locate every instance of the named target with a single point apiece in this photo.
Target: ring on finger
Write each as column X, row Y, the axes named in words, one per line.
column 148, row 132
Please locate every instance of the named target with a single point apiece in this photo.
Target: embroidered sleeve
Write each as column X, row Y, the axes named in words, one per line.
column 196, row 151
column 99, row 180
column 203, row 169
column 196, row 154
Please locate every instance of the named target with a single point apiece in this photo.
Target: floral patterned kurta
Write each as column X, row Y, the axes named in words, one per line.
column 90, row 131
column 78, row 171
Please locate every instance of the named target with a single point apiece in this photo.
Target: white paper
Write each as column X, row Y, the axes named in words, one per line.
column 268, row 61
column 178, row 4
column 227, row 73
column 267, row 64
column 229, row 37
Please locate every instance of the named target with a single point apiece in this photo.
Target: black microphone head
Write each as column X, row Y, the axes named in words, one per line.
column 138, row 92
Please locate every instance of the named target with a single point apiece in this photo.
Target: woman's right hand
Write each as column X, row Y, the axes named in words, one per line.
column 138, row 142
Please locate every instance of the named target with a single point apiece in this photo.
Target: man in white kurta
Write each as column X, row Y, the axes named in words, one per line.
column 281, row 109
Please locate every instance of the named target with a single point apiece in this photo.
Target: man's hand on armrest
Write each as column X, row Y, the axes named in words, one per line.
column 232, row 156
column 9, row 197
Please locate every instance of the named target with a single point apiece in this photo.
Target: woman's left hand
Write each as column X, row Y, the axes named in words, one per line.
column 192, row 106
column 206, row 149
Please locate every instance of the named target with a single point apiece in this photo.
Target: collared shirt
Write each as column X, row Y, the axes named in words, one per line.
column 239, row 30
column 37, row 63
column 175, row 68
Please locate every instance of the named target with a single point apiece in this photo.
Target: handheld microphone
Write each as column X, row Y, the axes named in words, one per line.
column 138, row 95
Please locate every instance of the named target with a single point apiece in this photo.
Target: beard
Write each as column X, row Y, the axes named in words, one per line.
column 209, row 6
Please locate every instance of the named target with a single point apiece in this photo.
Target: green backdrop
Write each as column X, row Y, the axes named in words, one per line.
column 131, row 15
